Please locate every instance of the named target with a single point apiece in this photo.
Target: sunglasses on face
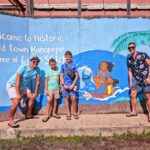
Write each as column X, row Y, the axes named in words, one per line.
column 35, row 61
column 129, row 48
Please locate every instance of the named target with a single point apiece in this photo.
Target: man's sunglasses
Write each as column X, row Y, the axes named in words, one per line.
column 35, row 61
column 131, row 47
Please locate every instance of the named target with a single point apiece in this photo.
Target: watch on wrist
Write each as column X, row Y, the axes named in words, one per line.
column 62, row 84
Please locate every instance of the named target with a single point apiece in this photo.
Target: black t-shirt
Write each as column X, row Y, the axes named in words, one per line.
column 139, row 67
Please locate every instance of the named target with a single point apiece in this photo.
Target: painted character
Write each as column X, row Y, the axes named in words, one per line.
column 111, row 83
column 109, row 90
column 86, row 77
column 102, row 76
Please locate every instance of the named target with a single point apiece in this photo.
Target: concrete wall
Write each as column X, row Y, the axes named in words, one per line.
column 91, row 42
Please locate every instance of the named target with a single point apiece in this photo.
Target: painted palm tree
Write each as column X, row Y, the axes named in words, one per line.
column 139, row 38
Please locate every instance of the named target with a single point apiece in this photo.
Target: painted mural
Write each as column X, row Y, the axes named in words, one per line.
column 99, row 48
column 99, row 80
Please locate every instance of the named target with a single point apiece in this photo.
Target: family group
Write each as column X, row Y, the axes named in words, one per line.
column 64, row 82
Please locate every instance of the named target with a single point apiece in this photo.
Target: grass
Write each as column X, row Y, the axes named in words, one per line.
column 132, row 134
column 50, row 141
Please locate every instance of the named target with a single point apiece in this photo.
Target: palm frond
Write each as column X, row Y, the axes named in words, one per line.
column 139, row 38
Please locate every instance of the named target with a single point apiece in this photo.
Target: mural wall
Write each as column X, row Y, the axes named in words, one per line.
column 99, row 48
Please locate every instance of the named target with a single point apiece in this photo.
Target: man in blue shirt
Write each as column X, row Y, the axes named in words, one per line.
column 17, row 88
column 139, row 77
column 68, row 83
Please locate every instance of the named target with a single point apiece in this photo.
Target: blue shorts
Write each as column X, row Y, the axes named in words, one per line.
column 68, row 92
column 136, row 86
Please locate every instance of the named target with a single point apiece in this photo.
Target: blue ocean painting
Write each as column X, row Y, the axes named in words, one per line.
column 88, row 66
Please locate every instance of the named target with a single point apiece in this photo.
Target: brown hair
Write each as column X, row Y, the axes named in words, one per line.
column 68, row 53
column 52, row 60
column 131, row 43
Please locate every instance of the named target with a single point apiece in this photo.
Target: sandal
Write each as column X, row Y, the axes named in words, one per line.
column 32, row 117
column 56, row 116
column 131, row 115
column 45, row 119
column 68, row 117
column 76, row 116
column 13, row 125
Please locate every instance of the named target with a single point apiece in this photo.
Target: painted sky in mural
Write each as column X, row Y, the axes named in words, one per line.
column 102, row 77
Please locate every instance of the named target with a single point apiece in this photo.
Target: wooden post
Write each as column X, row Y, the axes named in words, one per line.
column 29, row 7
column 79, row 7
column 128, row 7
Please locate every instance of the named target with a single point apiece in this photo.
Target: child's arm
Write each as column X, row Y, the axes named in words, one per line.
column 60, row 84
column 61, row 80
column 46, row 86
column 74, row 82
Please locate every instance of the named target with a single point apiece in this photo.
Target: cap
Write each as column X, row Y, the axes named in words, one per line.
column 34, row 58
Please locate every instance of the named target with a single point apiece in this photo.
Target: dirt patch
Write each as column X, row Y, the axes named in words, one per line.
column 75, row 143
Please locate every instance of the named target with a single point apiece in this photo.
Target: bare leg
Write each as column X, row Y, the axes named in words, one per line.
column 74, row 103
column 148, row 102
column 133, row 101
column 99, row 83
column 67, row 105
column 98, row 87
column 13, row 110
column 54, row 107
column 30, row 104
column 49, row 102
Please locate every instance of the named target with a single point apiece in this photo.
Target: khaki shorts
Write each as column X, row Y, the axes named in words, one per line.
column 11, row 90
column 53, row 94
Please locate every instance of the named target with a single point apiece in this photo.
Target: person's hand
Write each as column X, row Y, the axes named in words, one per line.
column 147, row 81
column 46, row 92
column 34, row 96
column 71, row 87
column 66, row 87
column 18, row 97
column 60, row 90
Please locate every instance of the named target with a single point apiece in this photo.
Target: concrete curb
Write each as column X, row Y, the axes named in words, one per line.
column 96, row 131
column 91, row 125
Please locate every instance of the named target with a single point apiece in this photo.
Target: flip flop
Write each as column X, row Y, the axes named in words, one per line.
column 68, row 117
column 76, row 116
column 131, row 115
column 56, row 116
column 32, row 117
column 45, row 119
column 13, row 125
